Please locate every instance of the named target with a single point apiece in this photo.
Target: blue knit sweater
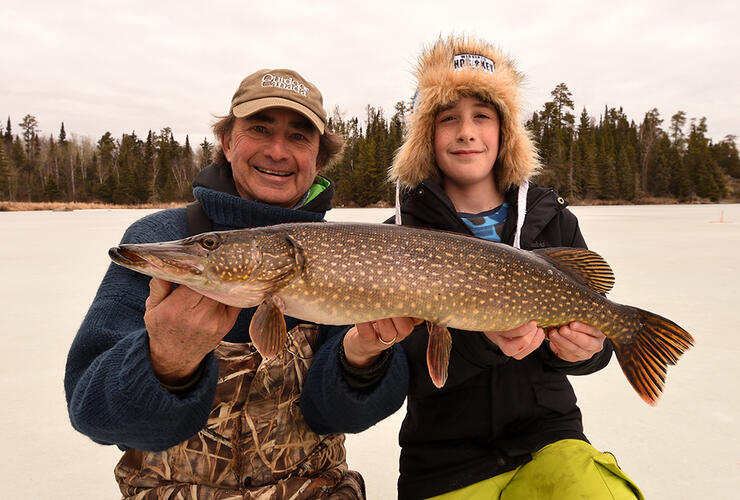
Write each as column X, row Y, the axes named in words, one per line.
column 112, row 393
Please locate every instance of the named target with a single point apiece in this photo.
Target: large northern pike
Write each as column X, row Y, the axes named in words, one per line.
column 342, row 273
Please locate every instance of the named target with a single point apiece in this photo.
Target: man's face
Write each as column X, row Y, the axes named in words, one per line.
column 273, row 156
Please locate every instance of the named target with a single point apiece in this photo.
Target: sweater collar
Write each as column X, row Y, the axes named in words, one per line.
column 227, row 211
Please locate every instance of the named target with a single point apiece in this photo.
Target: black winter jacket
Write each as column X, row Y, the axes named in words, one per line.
column 493, row 411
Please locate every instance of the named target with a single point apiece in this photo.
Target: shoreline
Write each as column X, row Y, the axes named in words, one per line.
column 69, row 206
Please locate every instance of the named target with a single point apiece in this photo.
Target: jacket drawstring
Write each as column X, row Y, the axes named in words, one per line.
column 398, row 202
column 521, row 209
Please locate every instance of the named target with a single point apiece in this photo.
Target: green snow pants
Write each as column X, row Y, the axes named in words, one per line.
column 565, row 470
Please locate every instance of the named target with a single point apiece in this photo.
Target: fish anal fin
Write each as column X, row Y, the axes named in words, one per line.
column 267, row 329
column 438, row 352
column 586, row 266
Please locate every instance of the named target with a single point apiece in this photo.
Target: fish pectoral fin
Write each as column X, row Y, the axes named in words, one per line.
column 438, row 352
column 267, row 329
column 585, row 266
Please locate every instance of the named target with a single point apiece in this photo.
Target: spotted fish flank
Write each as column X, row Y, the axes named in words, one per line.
column 342, row 273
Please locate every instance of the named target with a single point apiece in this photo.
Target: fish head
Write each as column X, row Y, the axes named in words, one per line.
column 228, row 266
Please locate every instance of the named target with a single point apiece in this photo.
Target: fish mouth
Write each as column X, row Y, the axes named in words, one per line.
column 156, row 260
column 124, row 256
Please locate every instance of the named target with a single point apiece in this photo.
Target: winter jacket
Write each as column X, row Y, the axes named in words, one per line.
column 493, row 411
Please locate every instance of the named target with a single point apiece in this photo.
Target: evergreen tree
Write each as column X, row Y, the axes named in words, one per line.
column 66, row 169
column 106, row 157
column 30, row 127
column 189, row 164
column 92, row 176
column 5, row 189
column 624, row 175
column 51, row 189
column 205, row 154
column 164, row 180
column 678, row 121
column 659, row 181
column 588, row 175
column 725, row 153
column 149, row 172
column 8, row 133
column 130, row 152
column 707, row 177
column 650, row 134
column 555, row 142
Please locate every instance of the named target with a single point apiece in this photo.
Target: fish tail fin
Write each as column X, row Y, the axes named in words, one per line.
column 644, row 358
column 438, row 353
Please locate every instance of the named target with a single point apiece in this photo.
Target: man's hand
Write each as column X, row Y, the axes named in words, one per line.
column 364, row 342
column 183, row 327
column 520, row 341
column 576, row 341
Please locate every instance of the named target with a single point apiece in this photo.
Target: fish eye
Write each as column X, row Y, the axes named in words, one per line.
column 209, row 242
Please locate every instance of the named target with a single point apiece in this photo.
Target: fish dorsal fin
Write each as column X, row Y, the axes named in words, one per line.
column 586, row 266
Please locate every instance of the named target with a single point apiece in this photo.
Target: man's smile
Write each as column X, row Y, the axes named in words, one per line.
column 273, row 172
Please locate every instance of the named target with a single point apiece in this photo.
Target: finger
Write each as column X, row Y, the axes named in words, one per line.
column 230, row 315
column 386, row 331
column 590, row 342
column 565, row 348
column 528, row 328
column 159, row 289
column 589, row 330
column 533, row 345
column 366, row 331
column 403, row 326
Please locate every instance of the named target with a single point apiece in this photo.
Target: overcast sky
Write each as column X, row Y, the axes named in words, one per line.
column 134, row 65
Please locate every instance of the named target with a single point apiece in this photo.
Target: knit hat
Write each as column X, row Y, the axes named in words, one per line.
column 279, row 88
column 456, row 67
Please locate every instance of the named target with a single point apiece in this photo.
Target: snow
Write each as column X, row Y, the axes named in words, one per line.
column 677, row 261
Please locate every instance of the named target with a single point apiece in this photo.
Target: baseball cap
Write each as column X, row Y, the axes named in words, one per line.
column 281, row 88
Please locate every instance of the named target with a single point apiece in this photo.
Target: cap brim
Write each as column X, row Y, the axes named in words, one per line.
column 251, row 107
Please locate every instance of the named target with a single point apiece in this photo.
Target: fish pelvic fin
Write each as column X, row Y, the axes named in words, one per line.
column 438, row 353
column 267, row 329
column 584, row 265
column 644, row 359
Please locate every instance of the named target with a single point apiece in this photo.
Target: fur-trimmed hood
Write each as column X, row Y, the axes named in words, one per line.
column 447, row 70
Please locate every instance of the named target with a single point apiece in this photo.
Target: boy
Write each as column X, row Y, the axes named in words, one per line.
column 505, row 424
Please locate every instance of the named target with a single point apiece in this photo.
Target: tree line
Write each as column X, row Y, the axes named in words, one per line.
column 612, row 158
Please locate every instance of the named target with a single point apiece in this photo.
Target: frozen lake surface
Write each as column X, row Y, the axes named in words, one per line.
column 677, row 261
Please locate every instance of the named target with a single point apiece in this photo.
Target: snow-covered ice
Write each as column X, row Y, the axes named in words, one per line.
column 677, row 261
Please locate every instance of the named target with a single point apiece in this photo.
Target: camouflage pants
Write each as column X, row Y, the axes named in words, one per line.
column 255, row 445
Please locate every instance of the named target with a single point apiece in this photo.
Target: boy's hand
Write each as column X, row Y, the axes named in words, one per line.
column 576, row 341
column 518, row 342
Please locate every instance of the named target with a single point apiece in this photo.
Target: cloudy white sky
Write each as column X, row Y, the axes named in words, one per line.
column 138, row 65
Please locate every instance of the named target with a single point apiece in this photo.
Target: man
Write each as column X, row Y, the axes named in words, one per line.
column 171, row 376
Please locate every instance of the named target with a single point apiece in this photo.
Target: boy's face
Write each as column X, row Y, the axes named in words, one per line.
column 466, row 141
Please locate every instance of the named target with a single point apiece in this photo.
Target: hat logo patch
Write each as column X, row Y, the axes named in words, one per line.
column 474, row 61
column 281, row 82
